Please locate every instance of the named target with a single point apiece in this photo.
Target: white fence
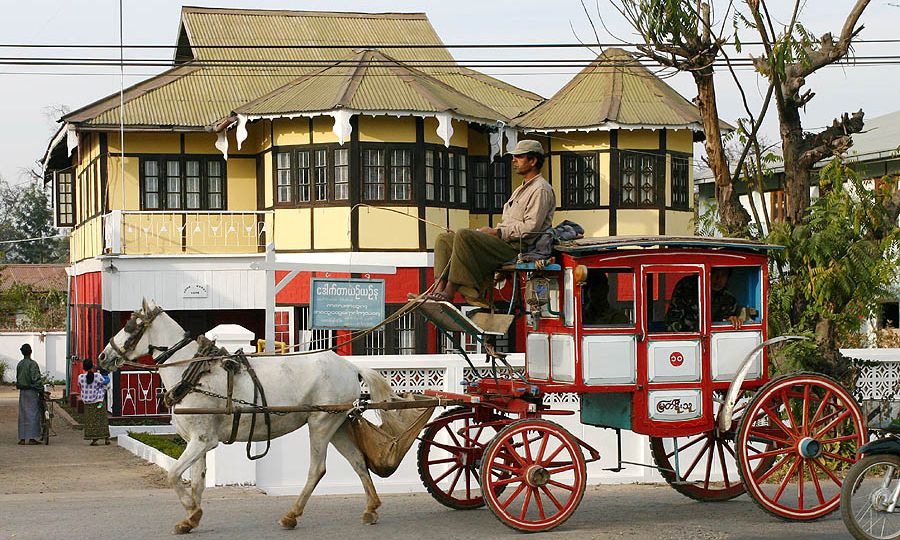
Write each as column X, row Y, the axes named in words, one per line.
column 48, row 350
column 283, row 470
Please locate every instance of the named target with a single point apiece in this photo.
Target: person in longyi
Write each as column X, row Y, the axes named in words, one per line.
column 465, row 261
column 29, row 384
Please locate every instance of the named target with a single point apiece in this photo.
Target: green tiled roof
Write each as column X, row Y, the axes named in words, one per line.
column 614, row 90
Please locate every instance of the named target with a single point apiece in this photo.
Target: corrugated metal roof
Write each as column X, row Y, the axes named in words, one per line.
column 613, row 89
column 370, row 80
column 197, row 94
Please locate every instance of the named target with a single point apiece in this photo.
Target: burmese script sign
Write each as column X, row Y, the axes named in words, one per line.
column 346, row 304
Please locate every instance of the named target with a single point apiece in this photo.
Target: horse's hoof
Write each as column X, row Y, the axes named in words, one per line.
column 288, row 522
column 370, row 518
column 183, row 527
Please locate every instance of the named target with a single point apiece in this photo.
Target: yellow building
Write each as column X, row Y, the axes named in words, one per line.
column 339, row 156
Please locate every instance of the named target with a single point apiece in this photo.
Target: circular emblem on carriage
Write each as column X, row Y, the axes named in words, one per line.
column 676, row 359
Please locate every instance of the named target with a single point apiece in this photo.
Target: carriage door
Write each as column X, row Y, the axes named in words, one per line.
column 671, row 359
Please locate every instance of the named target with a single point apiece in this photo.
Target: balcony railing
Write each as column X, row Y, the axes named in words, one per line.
column 190, row 232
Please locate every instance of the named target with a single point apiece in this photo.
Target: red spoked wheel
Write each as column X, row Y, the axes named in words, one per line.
column 707, row 463
column 814, row 427
column 449, row 456
column 534, row 473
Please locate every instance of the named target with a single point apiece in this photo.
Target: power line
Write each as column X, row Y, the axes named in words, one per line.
column 431, row 64
column 35, row 239
column 374, row 46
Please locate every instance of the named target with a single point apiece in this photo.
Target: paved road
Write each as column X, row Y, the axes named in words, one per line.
column 71, row 491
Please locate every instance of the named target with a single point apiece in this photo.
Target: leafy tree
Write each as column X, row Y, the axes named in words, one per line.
column 791, row 56
column 686, row 36
column 836, row 266
column 681, row 35
column 26, row 215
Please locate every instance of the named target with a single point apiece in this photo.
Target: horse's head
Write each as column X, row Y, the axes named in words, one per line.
column 147, row 331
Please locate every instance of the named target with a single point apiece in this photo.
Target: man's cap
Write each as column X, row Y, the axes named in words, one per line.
column 527, row 145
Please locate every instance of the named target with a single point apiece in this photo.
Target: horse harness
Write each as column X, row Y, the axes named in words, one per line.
column 207, row 354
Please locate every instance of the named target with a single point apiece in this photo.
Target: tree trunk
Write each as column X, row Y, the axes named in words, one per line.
column 796, row 171
column 735, row 218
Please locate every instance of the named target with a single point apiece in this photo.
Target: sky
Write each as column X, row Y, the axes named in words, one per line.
column 29, row 95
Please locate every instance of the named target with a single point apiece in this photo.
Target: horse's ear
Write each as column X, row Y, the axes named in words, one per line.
column 144, row 306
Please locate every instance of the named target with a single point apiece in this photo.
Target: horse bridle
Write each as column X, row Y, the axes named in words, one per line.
column 136, row 331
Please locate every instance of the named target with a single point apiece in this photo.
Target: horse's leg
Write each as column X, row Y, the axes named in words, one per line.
column 322, row 427
column 198, row 484
column 347, row 447
column 194, row 450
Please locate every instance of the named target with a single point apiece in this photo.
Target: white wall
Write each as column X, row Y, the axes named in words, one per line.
column 48, row 350
column 283, row 470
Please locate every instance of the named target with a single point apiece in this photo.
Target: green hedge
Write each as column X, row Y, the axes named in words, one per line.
column 167, row 444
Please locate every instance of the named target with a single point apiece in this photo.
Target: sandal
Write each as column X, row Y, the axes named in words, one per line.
column 438, row 297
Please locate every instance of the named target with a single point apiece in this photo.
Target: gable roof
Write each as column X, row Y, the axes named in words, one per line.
column 615, row 90
column 373, row 81
column 225, row 58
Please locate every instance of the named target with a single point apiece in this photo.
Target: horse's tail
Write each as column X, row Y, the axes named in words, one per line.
column 379, row 387
column 380, row 390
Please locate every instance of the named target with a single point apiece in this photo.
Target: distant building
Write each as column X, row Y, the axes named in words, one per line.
column 305, row 147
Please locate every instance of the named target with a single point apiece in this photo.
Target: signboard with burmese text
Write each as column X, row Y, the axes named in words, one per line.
column 346, row 304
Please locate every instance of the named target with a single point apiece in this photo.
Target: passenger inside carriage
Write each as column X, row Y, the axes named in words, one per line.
column 596, row 309
column 683, row 312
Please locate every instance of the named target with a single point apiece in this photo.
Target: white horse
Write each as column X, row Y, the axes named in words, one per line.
column 315, row 379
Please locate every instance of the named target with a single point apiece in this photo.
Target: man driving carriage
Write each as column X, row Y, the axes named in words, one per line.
column 465, row 261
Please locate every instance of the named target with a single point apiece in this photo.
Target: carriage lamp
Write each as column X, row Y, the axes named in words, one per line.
column 581, row 273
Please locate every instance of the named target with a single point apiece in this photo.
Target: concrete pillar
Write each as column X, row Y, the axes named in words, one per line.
column 233, row 337
column 227, row 464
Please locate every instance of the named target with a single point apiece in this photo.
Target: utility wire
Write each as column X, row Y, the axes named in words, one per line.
column 35, row 239
column 373, row 45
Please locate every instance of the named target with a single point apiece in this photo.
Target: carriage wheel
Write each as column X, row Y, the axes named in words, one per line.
column 814, row 428
column 450, row 454
column 542, row 469
column 703, row 457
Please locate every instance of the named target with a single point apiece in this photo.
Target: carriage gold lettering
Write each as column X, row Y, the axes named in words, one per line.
column 675, row 406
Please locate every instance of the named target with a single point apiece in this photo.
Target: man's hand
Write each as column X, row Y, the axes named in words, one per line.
column 489, row 230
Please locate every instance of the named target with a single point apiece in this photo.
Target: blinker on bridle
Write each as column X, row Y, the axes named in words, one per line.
column 136, row 327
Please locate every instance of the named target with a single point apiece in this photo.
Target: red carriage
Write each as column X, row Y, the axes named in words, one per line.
column 692, row 380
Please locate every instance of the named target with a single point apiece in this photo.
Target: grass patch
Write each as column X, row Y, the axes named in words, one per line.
column 170, row 445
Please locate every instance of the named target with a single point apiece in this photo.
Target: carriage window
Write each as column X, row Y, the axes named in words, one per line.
column 735, row 291
column 607, row 297
column 673, row 301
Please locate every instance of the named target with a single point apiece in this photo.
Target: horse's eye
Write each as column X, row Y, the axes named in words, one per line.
column 130, row 326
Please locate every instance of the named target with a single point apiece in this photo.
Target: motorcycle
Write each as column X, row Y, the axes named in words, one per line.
column 871, row 490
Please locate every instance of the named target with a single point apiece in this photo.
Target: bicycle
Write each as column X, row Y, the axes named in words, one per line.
column 46, row 414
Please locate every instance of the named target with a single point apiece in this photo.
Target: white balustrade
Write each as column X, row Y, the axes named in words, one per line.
column 158, row 232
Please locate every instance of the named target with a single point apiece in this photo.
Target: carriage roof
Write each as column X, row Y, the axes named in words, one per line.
column 588, row 246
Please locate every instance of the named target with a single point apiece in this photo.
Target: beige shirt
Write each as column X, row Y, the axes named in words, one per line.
column 529, row 210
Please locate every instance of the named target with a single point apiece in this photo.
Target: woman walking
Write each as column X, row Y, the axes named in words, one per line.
column 93, row 391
